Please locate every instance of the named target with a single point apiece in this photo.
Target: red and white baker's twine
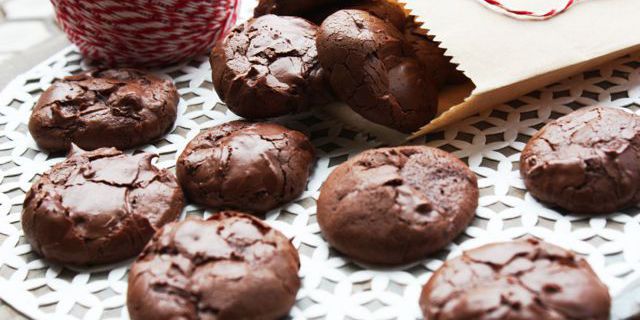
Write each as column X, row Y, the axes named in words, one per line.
column 525, row 14
column 143, row 32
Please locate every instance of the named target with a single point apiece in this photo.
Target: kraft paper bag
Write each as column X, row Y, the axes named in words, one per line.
column 506, row 58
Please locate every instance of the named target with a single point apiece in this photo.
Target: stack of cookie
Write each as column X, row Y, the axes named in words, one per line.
column 297, row 54
column 383, row 207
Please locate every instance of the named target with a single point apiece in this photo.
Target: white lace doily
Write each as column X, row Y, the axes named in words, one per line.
column 333, row 286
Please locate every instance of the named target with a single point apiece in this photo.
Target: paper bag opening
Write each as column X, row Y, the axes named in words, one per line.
column 505, row 58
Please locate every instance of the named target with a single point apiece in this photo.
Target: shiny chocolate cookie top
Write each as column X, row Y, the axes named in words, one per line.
column 99, row 207
column 120, row 108
column 586, row 162
column 524, row 279
column 253, row 167
column 268, row 67
column 231, row 266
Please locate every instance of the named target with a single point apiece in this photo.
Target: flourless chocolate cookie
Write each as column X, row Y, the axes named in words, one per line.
column 586, row 162
column 525, row 280
column 232, row 266
column 373, row 69
column 99, row 207
column 396, row 205
column 268, row 67
column 247, row 166
column 120, row 108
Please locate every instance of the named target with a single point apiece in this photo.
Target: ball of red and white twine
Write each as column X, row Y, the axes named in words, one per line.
column 527, row 14
column 144, row 32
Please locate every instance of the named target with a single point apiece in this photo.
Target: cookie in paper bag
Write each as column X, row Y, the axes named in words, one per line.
column 372, row 69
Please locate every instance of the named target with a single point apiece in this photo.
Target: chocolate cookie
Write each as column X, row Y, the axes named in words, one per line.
column 525, row 279
column 99, row 207
column 373, row 69
column 586, row 162
column 397, row 205
column 428, row 52
column 268, row 67
column 232, row 266
column 248, row 166
column 120, row 108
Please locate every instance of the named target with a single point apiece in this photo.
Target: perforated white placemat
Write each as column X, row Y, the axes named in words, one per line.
column 333, row 286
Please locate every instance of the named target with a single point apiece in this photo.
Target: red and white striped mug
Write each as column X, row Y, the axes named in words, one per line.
column 144, row 32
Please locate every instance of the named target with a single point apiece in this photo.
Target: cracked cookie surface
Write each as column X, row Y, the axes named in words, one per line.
column 396, row 205
column 374, row 70
column 523, row 279
column 99, row 207
column 252, row 167
column 268, row 67
column 586, row 162
column 120, row 108
column 231, row 266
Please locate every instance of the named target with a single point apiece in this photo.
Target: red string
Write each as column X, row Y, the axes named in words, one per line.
column 528, row 14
